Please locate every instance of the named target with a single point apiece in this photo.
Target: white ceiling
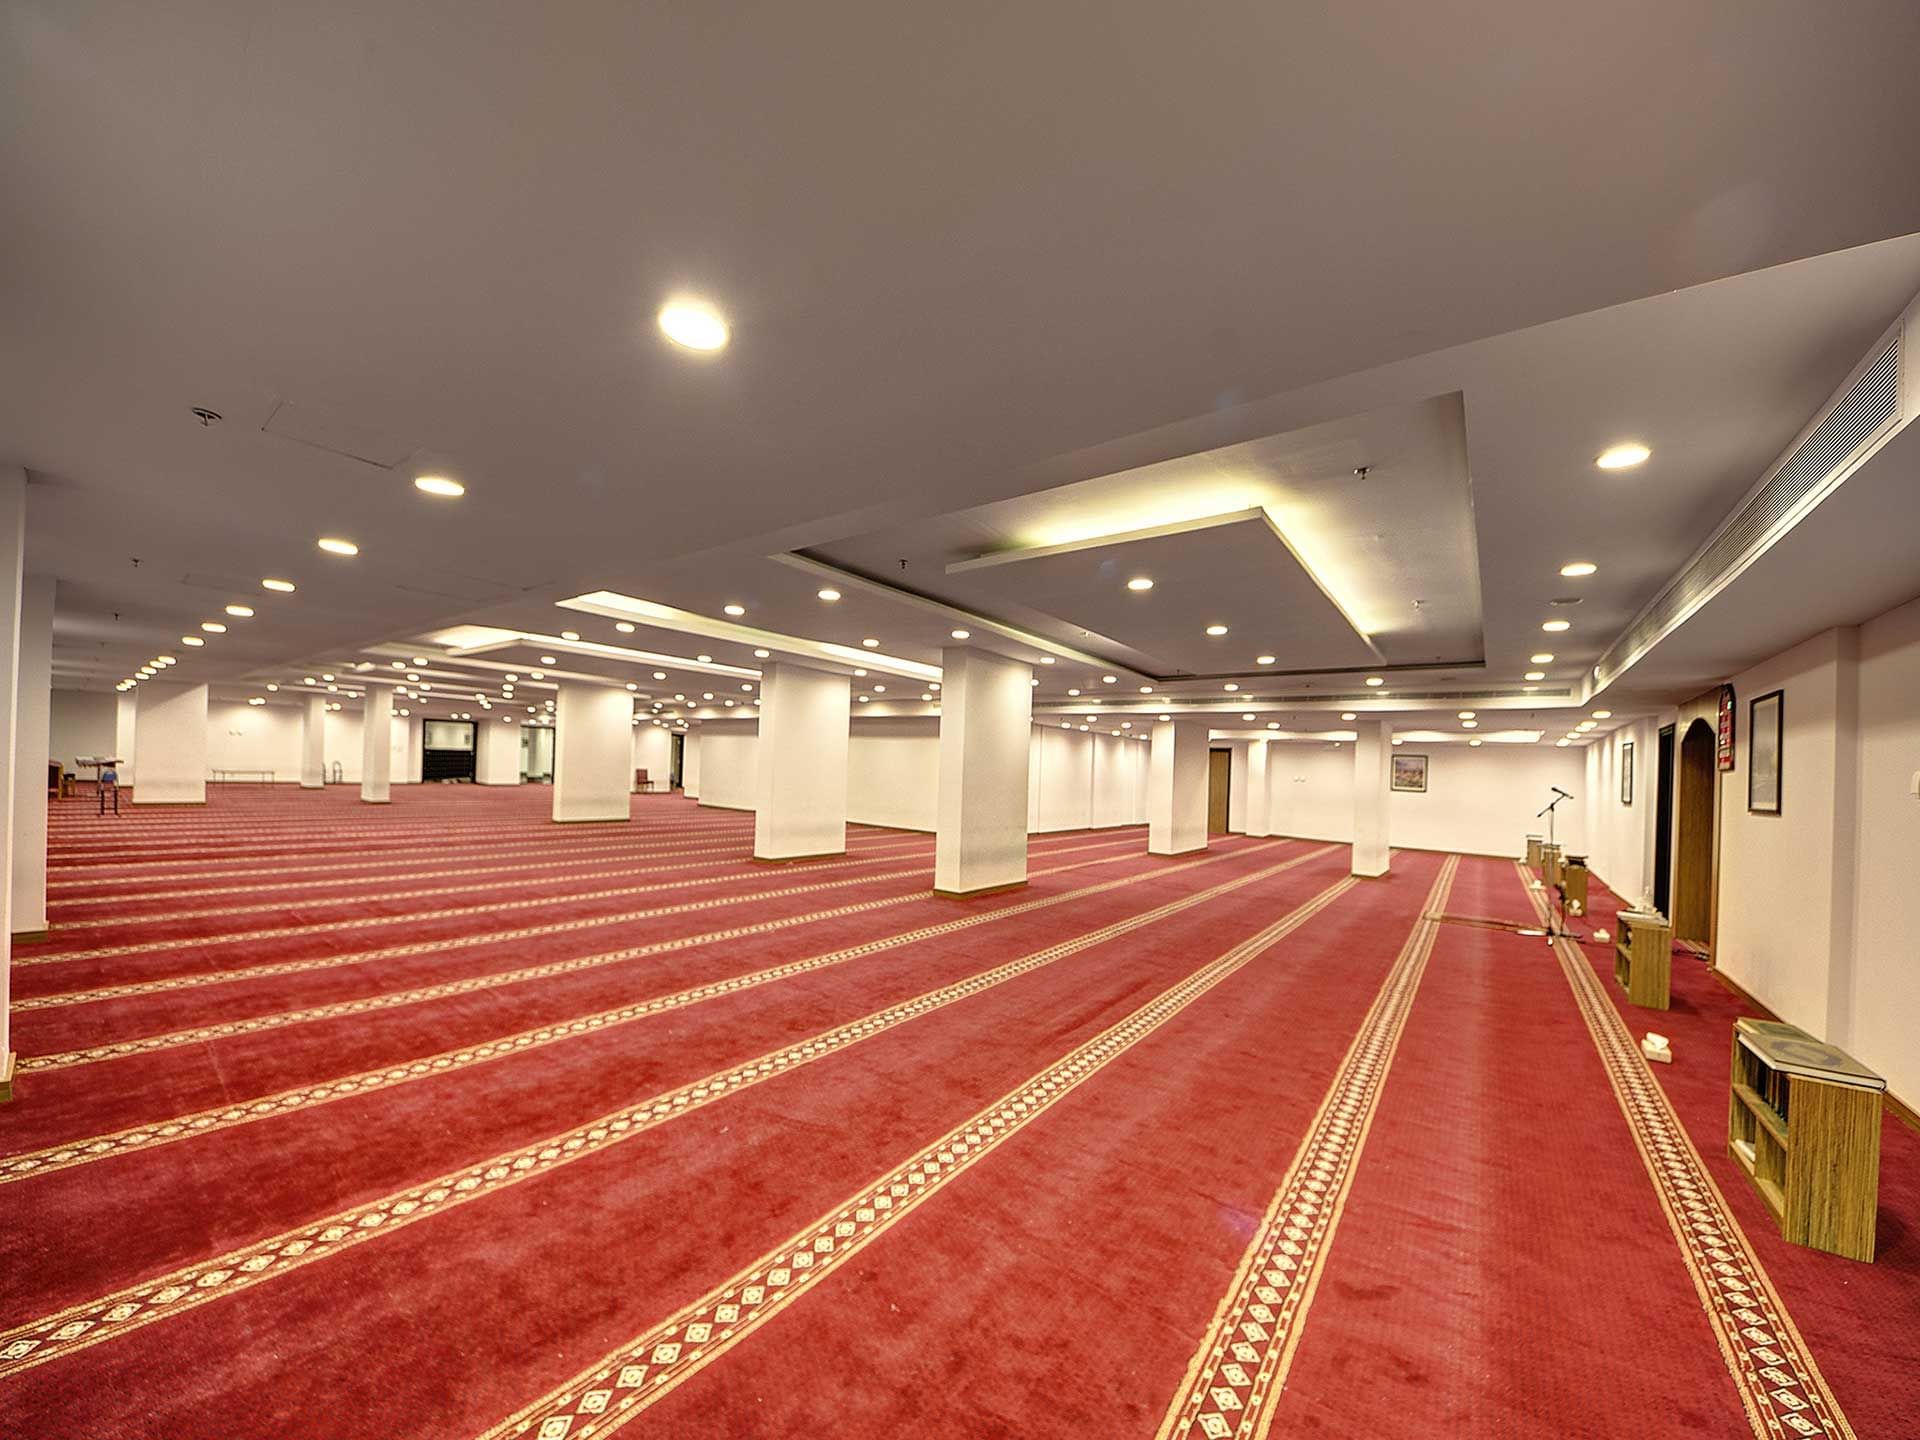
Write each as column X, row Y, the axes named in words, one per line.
column 970, row 256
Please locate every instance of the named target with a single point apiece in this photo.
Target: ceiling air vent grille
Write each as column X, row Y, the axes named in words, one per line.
column 1800, row 482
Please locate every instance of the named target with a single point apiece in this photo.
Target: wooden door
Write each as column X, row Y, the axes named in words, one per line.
column 1219, row 788
column 1693, row 848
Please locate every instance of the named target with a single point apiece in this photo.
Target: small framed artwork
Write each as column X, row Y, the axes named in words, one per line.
column 1763, row 753
column 1626, row 773
column 1410, row 773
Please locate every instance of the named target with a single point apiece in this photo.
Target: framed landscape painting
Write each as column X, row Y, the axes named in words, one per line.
column 1410, row 772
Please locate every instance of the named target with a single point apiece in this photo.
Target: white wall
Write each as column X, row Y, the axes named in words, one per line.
column 893, row 772
column 1081, row 780
column 728, row 775
column 653, row 752
column 1478, row 801
column 82, row 724
column 1620, row 835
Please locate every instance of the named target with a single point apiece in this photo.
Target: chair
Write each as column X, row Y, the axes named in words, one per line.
column 640, row 781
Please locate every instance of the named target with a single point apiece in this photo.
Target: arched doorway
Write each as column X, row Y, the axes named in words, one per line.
column 1693, row 840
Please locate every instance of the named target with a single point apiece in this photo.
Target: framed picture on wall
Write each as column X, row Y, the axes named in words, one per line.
column 1410, row 773
column 1763, row 753
column 1626, row 773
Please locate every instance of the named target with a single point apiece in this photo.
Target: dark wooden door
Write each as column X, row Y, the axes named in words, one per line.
column 1219, row 789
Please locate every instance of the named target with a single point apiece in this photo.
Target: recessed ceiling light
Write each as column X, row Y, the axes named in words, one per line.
column 625, row 627
column 1263, row 659
column 1469, row 724
column 1554, row 627
column 1563, row 743
column 421, row 660
column 961, row 634
column 1166, row 717
column 1231, row 687
column 1474, row 741
column 191, row 640
column 240, row 612
column 866, row 699
column 704, row 659
column 537, row 674
column 335, row 546
column 694, row 324
column 163, row 660
column 1348, row 715
column 871, row 643
column 213, row 627
column 829, row 595
column 569, row 634
column 1216, row 630
column 734, row 609
column 1046, row 659
column 1109, row 679
column 1603, row 714
column 1140, row 582
column 256, row 700
column 659, row 674
column 1146, row 689
column 1624, row 456
column 1574, row 569
column 443, row 485
column 860, row 674
column 1375, row 680
column 1544, row 657
column 548, row 660
column 1466, row 714
column 878, row 689
column 1073, row 692
column 1534, row 675
column 285, row 587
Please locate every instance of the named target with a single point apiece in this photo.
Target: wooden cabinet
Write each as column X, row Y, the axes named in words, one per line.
column 1643, row 958
column 1803, row 1120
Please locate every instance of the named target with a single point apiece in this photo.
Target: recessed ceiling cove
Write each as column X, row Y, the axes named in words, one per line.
column 1343, row 545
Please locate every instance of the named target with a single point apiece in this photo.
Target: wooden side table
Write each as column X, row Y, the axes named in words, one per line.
column 1803, row 1121
column 1643, row 958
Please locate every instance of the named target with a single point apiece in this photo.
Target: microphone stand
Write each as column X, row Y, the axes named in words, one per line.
column 1556, row 895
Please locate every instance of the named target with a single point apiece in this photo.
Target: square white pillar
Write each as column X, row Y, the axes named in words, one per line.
column 13, row 554
column 496, row 759
column 32, row 746
column 313, row 742
column 126, row 711
column 172, row 722
column 1177, row 788
column 1372, row 769
column 592, row 748
column 1279, row 787
column 986, row 731
column 1257, row 822
column 800, row 764
column 376, row 745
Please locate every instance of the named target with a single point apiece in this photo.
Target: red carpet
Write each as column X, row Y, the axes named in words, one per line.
column 439, row 1120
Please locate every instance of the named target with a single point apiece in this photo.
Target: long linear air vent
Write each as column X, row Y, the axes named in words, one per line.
column 1866, row 414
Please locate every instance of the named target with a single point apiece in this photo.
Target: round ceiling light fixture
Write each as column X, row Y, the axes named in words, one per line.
column 961, row 634
column 734, row 610
column 1375, row 681
column 1216, row 631
column 445, row 486
column 1263, row 659
column 694, row 325
column 1554, row 627
column 285, row 587
column 1576, row 569
column 213, row 627
column 1534, row 675
column 1623, row 456
column 1139, row 584
column 625, row 627
column 1544, row 657
column 240, row 612
column 334, row 545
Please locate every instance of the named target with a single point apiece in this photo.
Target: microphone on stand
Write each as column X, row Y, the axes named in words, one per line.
column 1564, row 795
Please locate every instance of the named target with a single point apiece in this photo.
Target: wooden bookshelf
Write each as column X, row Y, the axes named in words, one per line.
column 1803, row 1121
column 1643, row 958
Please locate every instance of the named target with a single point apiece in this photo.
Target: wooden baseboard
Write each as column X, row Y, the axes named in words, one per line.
column 7, row 1062
column 28, row 937
column 797, row 859
column 983, row 890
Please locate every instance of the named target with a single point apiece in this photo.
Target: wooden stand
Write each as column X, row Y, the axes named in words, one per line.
column 1573, row 884
column 1550, row 865
column 1643, row 958
column 1803, row 1121
column 1533, row 851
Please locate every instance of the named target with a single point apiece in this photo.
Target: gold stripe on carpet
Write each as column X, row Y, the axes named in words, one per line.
column 1780, row 1386
column 620, row 1385
column 447, row 1062
column 91, row 1321
column 1240, row 1368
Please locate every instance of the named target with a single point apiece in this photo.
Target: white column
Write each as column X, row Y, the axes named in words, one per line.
column 497, row 760
column 32, row 741
column 986, row 730
column 376, row 745
column 1279, row 786
column 800, row 764
column 1257, row 822
column 1177, row 788
column 172, row 722
column 125, row 710
column 592, row 745
column 1372, row 767
column 404, row 730
column 313, row 742
column 13, row 554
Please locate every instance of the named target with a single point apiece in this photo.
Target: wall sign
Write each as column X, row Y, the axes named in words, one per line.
column 1724, row 755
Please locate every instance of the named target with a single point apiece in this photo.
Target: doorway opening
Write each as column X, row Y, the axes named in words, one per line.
column 1663, row 825
column 1693, row 844
column 1219, row 789
column 447, row 750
